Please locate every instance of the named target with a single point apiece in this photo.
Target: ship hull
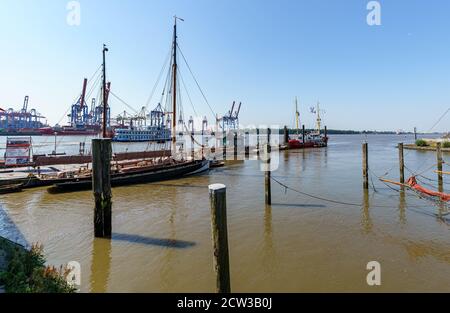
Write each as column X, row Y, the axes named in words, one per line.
column 160, row 174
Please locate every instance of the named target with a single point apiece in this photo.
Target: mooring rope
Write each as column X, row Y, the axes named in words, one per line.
column 286, row 187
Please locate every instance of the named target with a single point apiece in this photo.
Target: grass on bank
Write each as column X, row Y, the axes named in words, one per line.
column 424, row 143
column 26, row 272
column 421, row 143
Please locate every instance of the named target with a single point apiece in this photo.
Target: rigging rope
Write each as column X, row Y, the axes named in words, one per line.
column 158, row 80
column 409, row 151
column 198, row 85
column 187, row 92
column 129, row 106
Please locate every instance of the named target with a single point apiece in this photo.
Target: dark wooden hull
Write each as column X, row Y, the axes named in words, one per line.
column 10, row 189
column 160, row 174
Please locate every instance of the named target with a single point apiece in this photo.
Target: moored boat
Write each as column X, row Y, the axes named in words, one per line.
column 138, row 177
column 314, row 139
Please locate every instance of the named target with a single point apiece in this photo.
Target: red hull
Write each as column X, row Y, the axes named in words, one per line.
column 69, row 132
column 298, row 144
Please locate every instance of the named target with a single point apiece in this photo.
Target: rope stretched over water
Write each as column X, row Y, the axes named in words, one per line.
column 322, row 198
column 286, row 187
column 313, row 196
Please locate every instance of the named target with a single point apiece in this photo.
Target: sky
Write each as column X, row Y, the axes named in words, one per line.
column 262, row 53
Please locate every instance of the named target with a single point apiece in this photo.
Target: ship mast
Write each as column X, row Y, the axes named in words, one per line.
column 105, row 101
column 319, row 120
column 297, row 115
column 174, row 85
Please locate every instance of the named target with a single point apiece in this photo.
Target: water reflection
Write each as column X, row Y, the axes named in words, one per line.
column 268, row 256
column 402, row 206
column 268, row 227
column 168, row 258
column 366, row 220
column 162, row 242
column 101, row 265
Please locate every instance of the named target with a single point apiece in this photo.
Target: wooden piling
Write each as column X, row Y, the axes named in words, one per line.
column 439, row 167
column 101, row 185
column 217, row 199
column 267, row 189
column 286, row 135
column 235, row 144
column 303, row 133
column 365, row 165
column 247, row 144
column 257, row 141
column 401, row 162
column 224, row 145
column 192, row 146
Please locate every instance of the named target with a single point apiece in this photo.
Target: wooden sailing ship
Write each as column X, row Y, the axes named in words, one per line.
column 162, row 165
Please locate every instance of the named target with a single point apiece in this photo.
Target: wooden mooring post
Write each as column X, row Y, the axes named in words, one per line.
column 218, row 204
column 257, row 141
column 365, row 151
column 267, row 187
column 247, row 144
column 401, row 162
column 224, row 145
column 286, row 135
column 192, row 146
column 439, row 167
column 235, row 144
column 303, row 133
column 101, row 185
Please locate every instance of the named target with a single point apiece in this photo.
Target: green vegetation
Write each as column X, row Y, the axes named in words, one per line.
column 26, row 272
column 421, row 143
column 446, row 144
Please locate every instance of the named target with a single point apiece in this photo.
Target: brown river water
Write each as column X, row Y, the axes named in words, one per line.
column 162, row 232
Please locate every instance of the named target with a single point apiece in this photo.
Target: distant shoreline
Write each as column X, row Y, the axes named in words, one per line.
column 364, row 132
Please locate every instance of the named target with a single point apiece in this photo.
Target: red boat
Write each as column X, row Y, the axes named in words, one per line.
column 69, row 131
column 311, row 140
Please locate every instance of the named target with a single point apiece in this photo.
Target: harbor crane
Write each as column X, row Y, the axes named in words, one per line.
column 231, row 119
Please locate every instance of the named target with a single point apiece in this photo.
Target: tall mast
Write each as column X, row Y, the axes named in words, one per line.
column 297, row 114
column 105, row 99
column 319, row 120
column 174, row 85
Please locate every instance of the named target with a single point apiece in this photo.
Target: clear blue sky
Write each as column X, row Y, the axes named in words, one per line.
column 263, row 53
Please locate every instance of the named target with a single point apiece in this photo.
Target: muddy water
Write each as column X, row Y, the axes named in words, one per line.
column 162, row 235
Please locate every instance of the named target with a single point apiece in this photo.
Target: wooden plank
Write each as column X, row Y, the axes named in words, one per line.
column 442, row 172
column 394, row 182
